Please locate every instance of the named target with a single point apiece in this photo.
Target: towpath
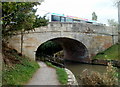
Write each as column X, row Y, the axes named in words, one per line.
column 44, row 76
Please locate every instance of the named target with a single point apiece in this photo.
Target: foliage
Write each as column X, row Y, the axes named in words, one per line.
column 116, row 2
column 49, row 44
column 59, row 54
column 17, row 69
column 95, row 79
column 112, row 22
column 20, row 16
column 110, row 53
column 119, row 76
column 48, row 48
column 94, row 16
column 40, row 22
column 50, row 64
column 20, row 74
column 61, row 73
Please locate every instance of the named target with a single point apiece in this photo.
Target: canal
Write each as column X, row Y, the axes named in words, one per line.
column 77, row 68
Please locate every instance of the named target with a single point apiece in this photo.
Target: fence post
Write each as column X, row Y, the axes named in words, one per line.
column 21, row 41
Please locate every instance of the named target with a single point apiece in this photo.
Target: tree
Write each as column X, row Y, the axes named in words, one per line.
column 117, row 3
column 112, row 22
column 119, row 21
column 94, row 16
column 19, row 16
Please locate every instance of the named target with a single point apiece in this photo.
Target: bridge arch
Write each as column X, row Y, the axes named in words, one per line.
column 73, row 49
column 95, row 39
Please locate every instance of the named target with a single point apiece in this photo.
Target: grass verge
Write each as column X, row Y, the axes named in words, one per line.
column 111, row 53
column 19, row 73
column 61, row 73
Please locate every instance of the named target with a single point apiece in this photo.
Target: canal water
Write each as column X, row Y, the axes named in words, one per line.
column 77, row 68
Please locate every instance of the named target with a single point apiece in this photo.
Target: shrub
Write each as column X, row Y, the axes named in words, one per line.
column 95, row 79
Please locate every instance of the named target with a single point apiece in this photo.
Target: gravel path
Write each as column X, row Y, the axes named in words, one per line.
column 44, row 76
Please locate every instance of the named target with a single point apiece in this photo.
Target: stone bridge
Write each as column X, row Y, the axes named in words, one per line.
column 78, row 40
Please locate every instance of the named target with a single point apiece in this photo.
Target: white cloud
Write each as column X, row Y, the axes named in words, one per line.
column 80, row 8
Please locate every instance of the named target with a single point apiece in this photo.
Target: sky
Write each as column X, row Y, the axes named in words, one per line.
column 104, row 9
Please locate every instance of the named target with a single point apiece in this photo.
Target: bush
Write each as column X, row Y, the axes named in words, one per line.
column 95, row 79
column 17, row 68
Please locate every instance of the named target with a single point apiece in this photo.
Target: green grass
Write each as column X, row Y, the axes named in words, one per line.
column 110, row 53
column 19, row 74
column 61, row 73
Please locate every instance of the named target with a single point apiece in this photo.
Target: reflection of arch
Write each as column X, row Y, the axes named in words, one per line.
column 73, row 49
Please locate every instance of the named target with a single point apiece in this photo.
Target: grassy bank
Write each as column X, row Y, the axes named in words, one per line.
column 110, row 53
column 20, row 73
column 61, row 73
column 17, row 69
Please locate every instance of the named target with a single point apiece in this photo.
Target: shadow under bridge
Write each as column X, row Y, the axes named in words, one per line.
column 72, row 49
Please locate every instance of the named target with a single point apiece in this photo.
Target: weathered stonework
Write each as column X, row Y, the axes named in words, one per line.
column 95, row 37
column 71, row 79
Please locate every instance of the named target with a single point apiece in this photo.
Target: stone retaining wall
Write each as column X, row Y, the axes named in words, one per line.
column 71, row 78
column 105, row 62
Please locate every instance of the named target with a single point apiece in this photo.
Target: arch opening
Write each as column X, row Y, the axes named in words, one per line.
column 48, row 49
column 73, row 50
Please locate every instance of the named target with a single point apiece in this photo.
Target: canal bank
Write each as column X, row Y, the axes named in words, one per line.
column 47, row 76
column 71, row 78
column 78, row 68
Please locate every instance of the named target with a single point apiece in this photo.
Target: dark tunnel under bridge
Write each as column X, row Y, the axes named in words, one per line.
column 73, row 50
